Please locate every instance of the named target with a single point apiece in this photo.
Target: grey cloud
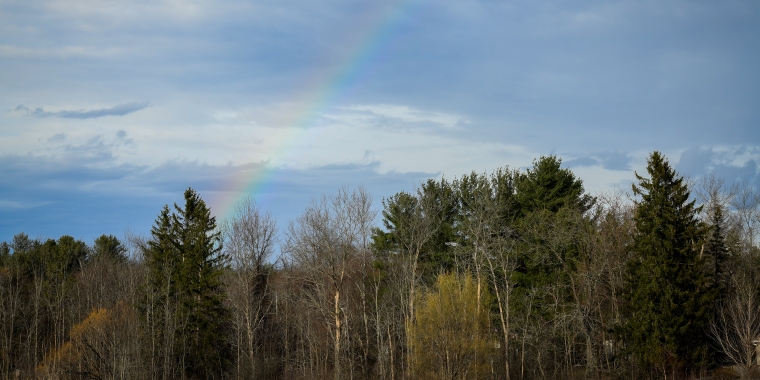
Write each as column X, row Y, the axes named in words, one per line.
column 58, row 137
column 615, row 160
column 85, row 195
column 121, row 137
column 582, row 161
column 117, row 110
column 696, row 162
column 97, row 148
column 608, row 160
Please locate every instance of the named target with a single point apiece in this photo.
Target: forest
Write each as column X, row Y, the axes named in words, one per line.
column 515, row 274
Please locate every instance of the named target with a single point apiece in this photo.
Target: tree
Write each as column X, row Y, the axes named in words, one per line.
column 450, row 337
column 185, row 295
column 249, row 239
column 737, row 324
column 102, row 346
column 325, row 245
column 108, row 246
column 551, row 203
column 547, row 186
column 668, row 297
column 433, row 209
column 716, row 251
column 484, row 224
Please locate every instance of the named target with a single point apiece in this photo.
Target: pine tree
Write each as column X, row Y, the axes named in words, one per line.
column 668, row 296
column 108, row 247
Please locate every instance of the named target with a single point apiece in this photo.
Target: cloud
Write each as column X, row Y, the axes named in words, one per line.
column 87, row 196
column 608, row 160
column 58, row 137
column 117, row 110
column 11, row 205
column 734, row 164
column 384, row 115
column 11, row 51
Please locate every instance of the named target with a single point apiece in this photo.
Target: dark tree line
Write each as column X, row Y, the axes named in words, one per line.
column 510, row 275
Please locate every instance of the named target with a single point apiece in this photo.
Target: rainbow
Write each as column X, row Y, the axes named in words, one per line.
column 378, row 27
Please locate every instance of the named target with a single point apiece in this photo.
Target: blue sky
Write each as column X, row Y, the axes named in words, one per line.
column 110, row 109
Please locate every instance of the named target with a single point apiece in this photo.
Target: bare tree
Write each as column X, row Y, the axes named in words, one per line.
column 248, row 237
column 737, row 324
column 483, row 222
column 414, row 230
column 746, row 205
column 713, row 193
column 323, row 244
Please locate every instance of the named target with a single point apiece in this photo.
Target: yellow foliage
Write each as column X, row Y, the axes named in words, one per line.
column 450, row 333
column 94, row 323
column 92, row 343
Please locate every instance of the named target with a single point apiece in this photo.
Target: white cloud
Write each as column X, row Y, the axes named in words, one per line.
column 400, row 138
column 398, row 114
column 14, row 205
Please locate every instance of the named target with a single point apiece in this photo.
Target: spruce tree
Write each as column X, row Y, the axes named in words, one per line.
column 551, row 202
column 185, row 265
column 668, row 296
column 716, row 251
column 548, row 187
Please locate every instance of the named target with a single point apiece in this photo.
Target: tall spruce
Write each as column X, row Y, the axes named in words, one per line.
column 551, row 202
column 668, row 294
column 716, row 251
column 546, row 186
column 185, row 265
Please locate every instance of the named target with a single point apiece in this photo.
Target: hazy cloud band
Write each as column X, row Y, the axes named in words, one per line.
column 117, row 110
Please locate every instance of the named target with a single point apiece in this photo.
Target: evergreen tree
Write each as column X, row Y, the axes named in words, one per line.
column 668, row 297
column 551, row 203
column 108, row 246
column 434, row 204
column 547, row 186
column 161, row 294
column 5, row 252
column 185, row 267
column 716, row 250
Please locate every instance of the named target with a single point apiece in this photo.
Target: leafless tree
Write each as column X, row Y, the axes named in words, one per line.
column 737, row 324
column 746, row 205
column 713, row 193
column 249, row 236
column 490, row 245
column 323, row 244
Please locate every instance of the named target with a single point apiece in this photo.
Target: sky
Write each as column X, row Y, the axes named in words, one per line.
column 110, row 109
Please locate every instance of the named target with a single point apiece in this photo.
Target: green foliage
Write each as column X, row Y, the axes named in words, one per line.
column 491, row 195
column 405, row 216
column 547, row 186
column 398, row 213
column 551, row 206
column 716, row 252
column 668, row 297
column 55, row 261
column 108, row 247
column 185, row 267
column 547, row 247
column 64, row 256
column 5, row 253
